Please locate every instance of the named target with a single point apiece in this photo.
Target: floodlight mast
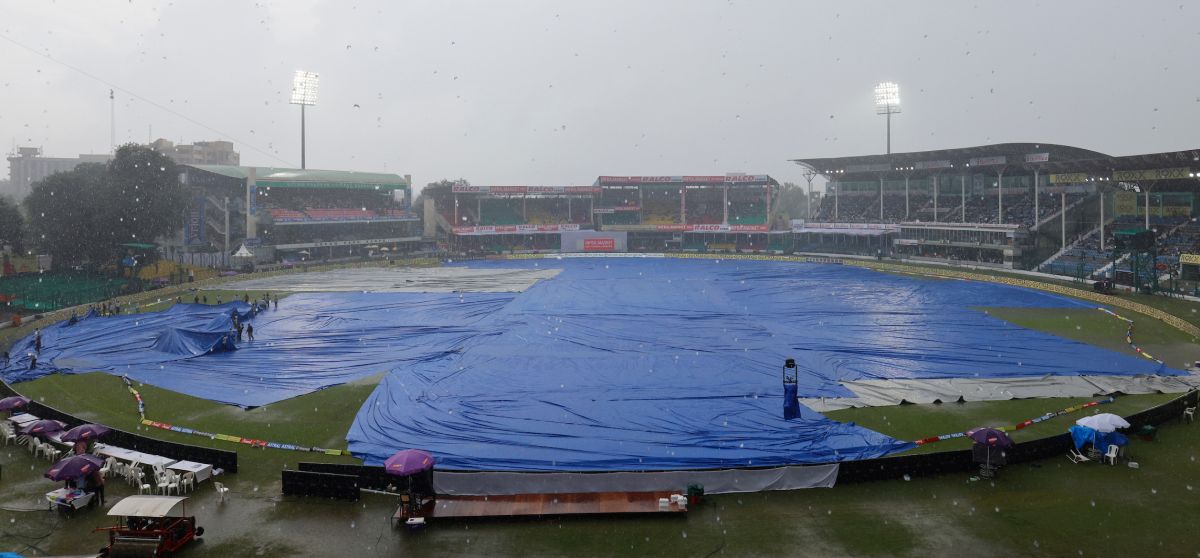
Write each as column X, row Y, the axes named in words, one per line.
column 304, row 93
column 887, row 102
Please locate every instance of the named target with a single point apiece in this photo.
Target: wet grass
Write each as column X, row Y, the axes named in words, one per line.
column 319, row 419
column 913, row 422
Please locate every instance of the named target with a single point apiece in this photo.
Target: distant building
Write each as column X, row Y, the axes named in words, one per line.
column 199, row 153
column 28, row 166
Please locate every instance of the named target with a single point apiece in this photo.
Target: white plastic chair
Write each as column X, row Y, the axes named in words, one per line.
column 1111, row 454
column 172, row 483
column 1077, row 457
column 9, row 436
column 144, row 488
column 132, row 470
column 188, row 481
column 163, row 484
column 108, row 467
column 1189, row 414
column 221, row 489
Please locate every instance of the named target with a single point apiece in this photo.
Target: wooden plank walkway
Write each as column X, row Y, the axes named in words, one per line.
column 535, row 505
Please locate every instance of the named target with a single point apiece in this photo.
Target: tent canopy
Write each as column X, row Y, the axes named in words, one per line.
column 149, row 506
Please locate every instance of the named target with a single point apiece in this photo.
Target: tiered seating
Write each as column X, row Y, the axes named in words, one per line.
column 397, row 213
column 287, row 215
column 340, row 214
column 500, row 212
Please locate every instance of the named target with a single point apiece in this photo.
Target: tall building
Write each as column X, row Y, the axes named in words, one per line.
column 199, row 153
column 28, row 165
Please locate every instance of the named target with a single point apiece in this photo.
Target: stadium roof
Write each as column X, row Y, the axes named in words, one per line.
column 1046, row 158
column 309, row 178
column 940, row 161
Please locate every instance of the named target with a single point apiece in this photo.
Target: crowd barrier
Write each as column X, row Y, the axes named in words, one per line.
column 373, row 478
column 324, row 485
column 219, row 459
column 928, row 464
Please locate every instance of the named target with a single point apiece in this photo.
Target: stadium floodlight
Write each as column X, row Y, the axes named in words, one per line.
column 887, row 102
column 304, row 93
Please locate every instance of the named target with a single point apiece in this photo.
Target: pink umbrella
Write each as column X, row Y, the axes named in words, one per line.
column 408, row 462
column 13, row 403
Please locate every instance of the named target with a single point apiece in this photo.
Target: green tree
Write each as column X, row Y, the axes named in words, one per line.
column 12, row 225
column 791, row 202
column 85, row 215
column 64, row 213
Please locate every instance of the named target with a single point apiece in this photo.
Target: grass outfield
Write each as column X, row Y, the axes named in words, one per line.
column 913, row 422
column 319, row 419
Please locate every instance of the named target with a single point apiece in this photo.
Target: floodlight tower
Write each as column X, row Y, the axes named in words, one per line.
column 887, row 102
column 304, row 93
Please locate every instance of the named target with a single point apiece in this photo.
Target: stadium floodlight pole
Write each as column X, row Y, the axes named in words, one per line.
column 304, row 93
column 887, row 102
column 809, row 174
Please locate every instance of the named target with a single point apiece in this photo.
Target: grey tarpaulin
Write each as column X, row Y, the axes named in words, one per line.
column 879, row 393
column 721, row 481
column 399, row 280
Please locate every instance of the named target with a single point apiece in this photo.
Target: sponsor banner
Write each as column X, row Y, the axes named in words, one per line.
column 1151, row 174
column 933, row 164
column 1125, row 203
column 989, row 161
column 1189, row 259
column 347, row 242
column 1069, row 178
column 1165, row 204
column 731, row 179
column 593, row 242
column 1037, row 157
column 195, row 229
column 615, row 209
column 515, row 229
column 602, row 244
column 814, row 225
column 461, row 189
column 690, row 228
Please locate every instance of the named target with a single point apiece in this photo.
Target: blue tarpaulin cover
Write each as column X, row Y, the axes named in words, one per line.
column 615, row 364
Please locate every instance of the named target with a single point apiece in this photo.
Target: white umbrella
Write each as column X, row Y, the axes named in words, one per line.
column 1103, row 422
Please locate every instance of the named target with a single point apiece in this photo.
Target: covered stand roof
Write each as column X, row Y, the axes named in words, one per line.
column 309, row 178
column 1047, row 158
column 940, row 161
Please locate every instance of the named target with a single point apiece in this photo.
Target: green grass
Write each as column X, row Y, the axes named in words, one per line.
column 913, row 422
column 316, row 419
column 1094, row 327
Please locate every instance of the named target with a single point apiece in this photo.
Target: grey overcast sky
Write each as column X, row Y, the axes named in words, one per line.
column 559, row 92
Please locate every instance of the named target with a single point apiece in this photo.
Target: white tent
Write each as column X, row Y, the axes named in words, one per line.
column 1103, row 422
column 243, row 253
